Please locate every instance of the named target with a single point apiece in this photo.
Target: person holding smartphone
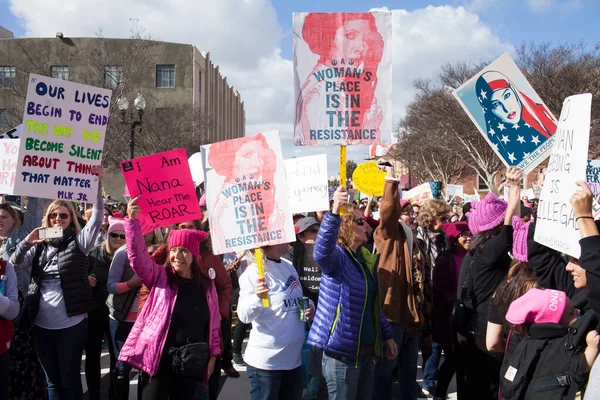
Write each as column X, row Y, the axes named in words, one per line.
column 60, row 295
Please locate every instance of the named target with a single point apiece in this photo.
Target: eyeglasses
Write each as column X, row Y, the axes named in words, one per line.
column 360, row 221
column 409, row 214
column 61, row 215
column 117, row 236
column 466, row 235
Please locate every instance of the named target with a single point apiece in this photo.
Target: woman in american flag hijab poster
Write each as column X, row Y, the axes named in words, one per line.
column 509, row 113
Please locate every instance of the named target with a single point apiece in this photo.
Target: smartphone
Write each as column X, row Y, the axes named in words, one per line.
column 51, row 233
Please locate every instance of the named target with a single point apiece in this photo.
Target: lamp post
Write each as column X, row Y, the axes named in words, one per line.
column 140, row 105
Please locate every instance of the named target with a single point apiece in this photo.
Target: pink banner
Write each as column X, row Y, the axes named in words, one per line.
column 164, row 181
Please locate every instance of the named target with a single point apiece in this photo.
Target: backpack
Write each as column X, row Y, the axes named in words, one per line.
column 548, row 364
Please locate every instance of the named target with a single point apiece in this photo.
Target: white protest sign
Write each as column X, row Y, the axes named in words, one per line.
column 195, row 162
column 419, row 194
column 454, row 190
column 556, row 226
column 9, row 152
column 64, row 126
column 14, row 133
column 467, row 198
column 307, row 183
column 536, row 189
column 529, row 193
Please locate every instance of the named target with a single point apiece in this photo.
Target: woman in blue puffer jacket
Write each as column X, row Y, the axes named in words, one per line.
column 349, row 326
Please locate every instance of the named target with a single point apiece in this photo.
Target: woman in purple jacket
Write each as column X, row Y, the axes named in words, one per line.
column 349, row 326
column 182, row 308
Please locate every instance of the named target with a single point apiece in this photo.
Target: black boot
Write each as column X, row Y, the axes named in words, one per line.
column 122, row 387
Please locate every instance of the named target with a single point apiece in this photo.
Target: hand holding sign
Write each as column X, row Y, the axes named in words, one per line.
column 133, row 209
column 582, row 201
column 340, row 199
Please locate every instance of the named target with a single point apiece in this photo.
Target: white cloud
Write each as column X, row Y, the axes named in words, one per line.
column 244, row 38
column 540, row 5
column 480, row 5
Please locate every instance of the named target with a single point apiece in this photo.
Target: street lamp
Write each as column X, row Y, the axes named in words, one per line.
column 140, row 105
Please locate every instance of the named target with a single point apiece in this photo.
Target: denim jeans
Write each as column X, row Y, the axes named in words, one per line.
column 408, row 355
column 275, row 385
column 430, row 368
column 118, row 334
column 59, row 352
column 349, row 379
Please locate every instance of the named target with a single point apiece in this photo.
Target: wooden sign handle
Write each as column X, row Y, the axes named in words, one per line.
column 343, row 173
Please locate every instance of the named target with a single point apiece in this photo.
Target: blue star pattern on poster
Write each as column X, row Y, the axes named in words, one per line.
column 516, row 125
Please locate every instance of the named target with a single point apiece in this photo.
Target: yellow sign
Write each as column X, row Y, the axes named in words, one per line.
column 369, row 179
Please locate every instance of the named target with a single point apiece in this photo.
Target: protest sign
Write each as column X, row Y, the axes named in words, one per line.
column 369, row 179
column 246, row 193
column 166, row 198
column 556, row 226
column 14, row 133
column 9, row 152
column 64, row 126
column 467, row 198
column 195, row 162
column 592, row 176
column 529, row 193
column 418, row 194
column 307, row 183
column 343, row 82
column 454, row 190
column 509, row 114
column 536, row 190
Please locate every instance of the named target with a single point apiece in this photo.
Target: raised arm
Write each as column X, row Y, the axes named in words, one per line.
column 389, row 213
column 513, row 177
column 141, row 262
column 86, row 238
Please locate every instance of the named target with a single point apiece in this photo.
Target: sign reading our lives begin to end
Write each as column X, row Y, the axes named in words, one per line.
column 556, row 226
column 167, row 197
column 64, row 125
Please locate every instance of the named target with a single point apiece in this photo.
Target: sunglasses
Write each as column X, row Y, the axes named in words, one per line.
column 360, row 221
column 466, row 235
column 61, row 215
column 117, row 236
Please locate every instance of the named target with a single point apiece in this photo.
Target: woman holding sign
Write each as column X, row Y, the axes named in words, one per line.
column 175, row 339
column 273, row 355
column 349, row 325
column 60, row 295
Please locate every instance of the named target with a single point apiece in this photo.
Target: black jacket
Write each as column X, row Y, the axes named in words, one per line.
column 99, row 266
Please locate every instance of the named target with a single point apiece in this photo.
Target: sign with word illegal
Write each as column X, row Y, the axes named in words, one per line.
column 307, row 183
column 246, row 193
column 168, row 197
column 556, row 226
column 63, row 133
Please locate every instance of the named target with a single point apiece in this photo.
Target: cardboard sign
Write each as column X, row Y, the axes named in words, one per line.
column 307, row 183
column 64, row 126
column 246, row 193
column 369, row 179
column 14, row 133
column 509, row 114
column 418, row 194
column 592, row 176
column 536, row 190
column 343, row 81
column 454, row 190
column 556, row 226
column 468, row 198
column 9, row 152
column 529, row 193
column 168, row 197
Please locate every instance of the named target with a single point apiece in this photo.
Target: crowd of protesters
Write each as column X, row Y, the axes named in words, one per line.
column 365, row 287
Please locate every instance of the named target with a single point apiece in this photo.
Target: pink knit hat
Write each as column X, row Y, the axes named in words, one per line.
column 404, row 203
column 115, row 224
column 202, row 201
column 486, row 214
column 454, row 229
column 538, row 306
column 521, row 230
column 188, row 238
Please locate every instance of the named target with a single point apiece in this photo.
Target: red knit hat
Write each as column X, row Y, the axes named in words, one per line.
column 454, row 230
column 188, row 238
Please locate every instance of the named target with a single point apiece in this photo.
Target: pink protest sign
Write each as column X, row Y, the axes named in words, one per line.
column 168, row 197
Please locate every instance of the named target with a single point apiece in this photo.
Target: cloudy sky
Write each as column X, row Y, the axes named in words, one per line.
column 251, row 39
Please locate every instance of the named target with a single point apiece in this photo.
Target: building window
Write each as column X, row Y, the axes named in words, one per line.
column 112, row 76
column 481, row 185
column 5, row 120
column 61, row 72
column 7, row 77
column 165, row 76
column 200, row 82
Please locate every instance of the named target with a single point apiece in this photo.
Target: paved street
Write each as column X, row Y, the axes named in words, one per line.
column 233, row 389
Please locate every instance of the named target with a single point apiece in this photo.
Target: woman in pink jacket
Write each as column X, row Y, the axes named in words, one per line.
column 182, row 308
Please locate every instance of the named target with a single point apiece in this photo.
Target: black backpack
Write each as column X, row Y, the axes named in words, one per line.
column 548, row 364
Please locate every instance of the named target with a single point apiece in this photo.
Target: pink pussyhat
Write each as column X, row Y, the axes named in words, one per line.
column 486, row 214
column 202, row 201
column 521, row 230
column 188, row 238
column 115, row 224
column 538, row 306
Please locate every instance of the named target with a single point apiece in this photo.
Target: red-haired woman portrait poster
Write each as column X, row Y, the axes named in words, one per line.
column 343, row 78
column 246, row 193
